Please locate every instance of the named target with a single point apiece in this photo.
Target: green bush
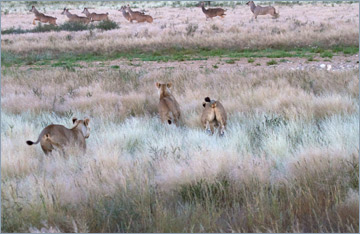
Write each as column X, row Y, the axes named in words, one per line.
column 67, row 26
column 107, row 25
column 75, row 26
column 13, row 30
column 271, row 62
column 44, row 28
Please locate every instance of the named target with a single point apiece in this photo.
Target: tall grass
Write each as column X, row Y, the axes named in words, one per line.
column 288, row 161
column 139, row 176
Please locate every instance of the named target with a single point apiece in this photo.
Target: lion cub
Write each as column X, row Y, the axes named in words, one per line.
column 58, row 136
column 213, row 116
column 168, row 107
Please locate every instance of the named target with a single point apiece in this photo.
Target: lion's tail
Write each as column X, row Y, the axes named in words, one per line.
column 39, row 138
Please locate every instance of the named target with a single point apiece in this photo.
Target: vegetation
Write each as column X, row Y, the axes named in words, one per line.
column 165, row 55
column 285, row 165
column 288, row 161
column 67, row 26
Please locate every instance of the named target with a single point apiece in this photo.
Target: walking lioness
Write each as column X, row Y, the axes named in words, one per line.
column 57, row 136
column 168, row 107
column 213, row 116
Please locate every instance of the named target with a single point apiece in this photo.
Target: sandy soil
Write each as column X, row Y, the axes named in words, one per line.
column 334, row 64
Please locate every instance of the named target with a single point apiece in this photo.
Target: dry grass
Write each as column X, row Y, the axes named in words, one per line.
column 288, row 161
column 299, row 26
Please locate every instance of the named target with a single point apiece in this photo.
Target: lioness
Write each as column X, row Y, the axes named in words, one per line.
column 213, row 115
column 168, row 107
column 58, row 136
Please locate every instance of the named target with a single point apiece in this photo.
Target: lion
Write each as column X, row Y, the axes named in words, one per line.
column 168, row 107
column 57, row 136
column 213, row 116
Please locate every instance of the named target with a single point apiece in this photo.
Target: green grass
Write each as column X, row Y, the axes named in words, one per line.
column 251, row 60
column 230, row 61
column 172, row 54
column 327, row 54
column 115, row 67
column 271, row 62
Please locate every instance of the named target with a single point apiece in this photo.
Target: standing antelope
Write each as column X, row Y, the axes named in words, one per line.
column 259, row 10
column 75, row 18
column 125, row 14
column 138, row 16
column 94, row 16
column 42, row 18
column 212, row 12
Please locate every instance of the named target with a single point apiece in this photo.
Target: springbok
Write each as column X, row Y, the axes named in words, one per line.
column 75, row 18
column 212, row 12
column 259, row 10
column 94, row 16
column 138, row 16
column 42, row 18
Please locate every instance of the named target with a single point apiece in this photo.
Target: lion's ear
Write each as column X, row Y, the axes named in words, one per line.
column 86, row 121
column 158, row 85
column 74, row 120
column 207, row 99
column 169, row 85
column 204, row 104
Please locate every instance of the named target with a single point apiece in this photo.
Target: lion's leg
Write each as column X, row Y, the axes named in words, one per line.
column 207, row 128
column 222, row 127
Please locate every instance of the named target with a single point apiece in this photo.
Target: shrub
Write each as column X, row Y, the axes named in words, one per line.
column 45, row 28
column 107, row 25
column 74, row 26
column 271, row 62
column 67, row 26
column 13, row 30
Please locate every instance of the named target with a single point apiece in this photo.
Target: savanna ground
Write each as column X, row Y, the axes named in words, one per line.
column 287, row 163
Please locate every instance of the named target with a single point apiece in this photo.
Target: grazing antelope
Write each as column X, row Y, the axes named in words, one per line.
column 212, row 12
column 259, row 10
column 42, row 18
column 94, row 16
column 75, row 18
column 139, row 16
column 125, row 14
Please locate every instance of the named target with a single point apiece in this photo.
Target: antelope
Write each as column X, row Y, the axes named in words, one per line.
column 259, row 10
column 94, row 16
column 138, row 16
column 125, row 14
column 74, row 17
column 42, row 18
column 212, row 12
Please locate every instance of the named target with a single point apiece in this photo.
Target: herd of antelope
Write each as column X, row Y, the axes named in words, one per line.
column 141, row 17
